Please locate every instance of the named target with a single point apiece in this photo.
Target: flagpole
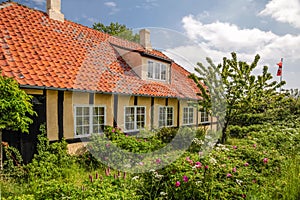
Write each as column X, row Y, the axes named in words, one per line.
column 281, row 75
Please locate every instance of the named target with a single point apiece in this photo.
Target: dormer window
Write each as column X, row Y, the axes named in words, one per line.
column 157, row 71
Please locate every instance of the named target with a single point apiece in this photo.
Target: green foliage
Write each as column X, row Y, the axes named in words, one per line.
column 51, row 161
column 15, row 106
column 13, row 165
column 233, row 86
column 262, row 164
column 117, row 29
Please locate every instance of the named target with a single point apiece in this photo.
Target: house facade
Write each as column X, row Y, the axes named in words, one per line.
column 82, row 80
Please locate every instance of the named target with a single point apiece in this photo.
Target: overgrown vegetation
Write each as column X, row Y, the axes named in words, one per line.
column 259, row 160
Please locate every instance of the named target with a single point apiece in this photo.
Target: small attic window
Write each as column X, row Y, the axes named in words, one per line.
column 157, row 71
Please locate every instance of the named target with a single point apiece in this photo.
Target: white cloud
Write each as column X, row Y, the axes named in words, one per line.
column 113, row 6
column 225, row 36
column 219, row 39
column 110, row 4
column 283, row 11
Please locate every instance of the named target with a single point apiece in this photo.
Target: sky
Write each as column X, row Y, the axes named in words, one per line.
column 191, row 30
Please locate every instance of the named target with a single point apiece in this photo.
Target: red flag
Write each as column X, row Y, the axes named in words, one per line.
column 279, row 71
column 279, row 64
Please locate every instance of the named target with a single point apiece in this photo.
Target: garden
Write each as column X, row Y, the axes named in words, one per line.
column 254, row 155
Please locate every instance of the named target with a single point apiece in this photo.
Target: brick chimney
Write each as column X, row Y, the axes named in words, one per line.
column 53, row 10
column 145, row 39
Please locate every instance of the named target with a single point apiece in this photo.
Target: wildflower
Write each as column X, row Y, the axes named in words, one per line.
column 135, row 178
column 239, row 181
column 234, row 147
column 158, row 161
column 177, row 184
column 188, row 159
column 213, row 161
column 158, row 176
column 113, row 130
column 254, row 145
column 185, row 178
column 243, row 196
column 229, row 175
column 163, row 193
column 107, row 172
column 91, row 178
column 265, row 160
column 200, row 153
column 234, row 169
column 198, row 164
column 246, row 164
column 107, row 145
column 198, row 182
column 141, row 163
column 206, row 167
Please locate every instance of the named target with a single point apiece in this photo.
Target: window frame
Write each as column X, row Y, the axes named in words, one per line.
column 135, row 128
column 156, row 72
column 206, row 116
column 189, row 121
column 165, row 116
column 90, row 117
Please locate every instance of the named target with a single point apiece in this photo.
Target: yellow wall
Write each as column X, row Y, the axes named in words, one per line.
column 123, row 101
column 51, row 109
column 157, row 103
column 146, row 101
column 68, row 115
column 33, row 91
column 106, row 100
column 174, row 103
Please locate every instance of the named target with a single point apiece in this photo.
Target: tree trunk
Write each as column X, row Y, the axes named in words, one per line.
column 224, row 133
column 1, row 151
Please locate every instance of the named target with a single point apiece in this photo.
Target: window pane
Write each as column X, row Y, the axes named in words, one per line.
column 86, row 110
column 79, row 130
column 78, row 121
column 86, row 130
column 78, row 111
column 163, row 74
column 150, row 69
column 157, row 71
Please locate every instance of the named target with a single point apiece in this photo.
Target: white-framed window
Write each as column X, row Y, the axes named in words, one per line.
column 188, row 115
column 204, row 117
column 135, row 118
column 88, row 119
column 157, row 71
column 166, row 116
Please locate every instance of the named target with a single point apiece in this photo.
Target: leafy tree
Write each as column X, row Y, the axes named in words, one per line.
column 117, row 29
column 15, row 108
column 231, row 90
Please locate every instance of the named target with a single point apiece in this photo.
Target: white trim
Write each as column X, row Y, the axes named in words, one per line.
column 135, row 118
column 205, row 116
column 90, row 117
column 154, row 63
column 166, row 113
column 188, row 118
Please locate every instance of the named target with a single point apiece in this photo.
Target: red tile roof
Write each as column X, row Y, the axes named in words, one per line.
column 40, row 52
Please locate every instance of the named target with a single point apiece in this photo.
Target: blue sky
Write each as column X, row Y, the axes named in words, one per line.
column 206, row 28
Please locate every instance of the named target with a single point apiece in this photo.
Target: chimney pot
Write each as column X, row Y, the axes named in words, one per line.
column 145, row 39
column 53, row 10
